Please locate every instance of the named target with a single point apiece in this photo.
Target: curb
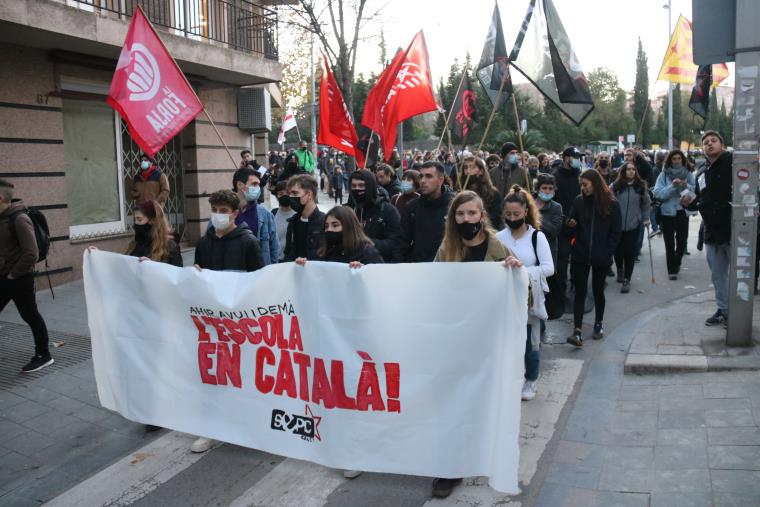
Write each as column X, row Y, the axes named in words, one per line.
column 731, row 359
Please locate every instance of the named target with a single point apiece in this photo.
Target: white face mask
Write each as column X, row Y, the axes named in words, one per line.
column 220, row 221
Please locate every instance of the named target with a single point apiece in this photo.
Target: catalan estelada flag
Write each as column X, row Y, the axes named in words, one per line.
column 678, row 65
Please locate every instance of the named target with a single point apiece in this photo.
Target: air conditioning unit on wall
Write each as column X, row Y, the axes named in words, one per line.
column 254, row 110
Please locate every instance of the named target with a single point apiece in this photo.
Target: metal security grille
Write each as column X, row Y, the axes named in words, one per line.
column 17, row 346
column 169, row 160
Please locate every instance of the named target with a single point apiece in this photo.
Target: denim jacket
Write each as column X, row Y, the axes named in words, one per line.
column 669, row 195
column 270, row 245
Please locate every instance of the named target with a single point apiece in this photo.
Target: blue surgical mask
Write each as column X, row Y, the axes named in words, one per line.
column 407, row 187
column 512, row 159
column 252, row 193
column 144, row 165
column 545, row 197
column 575, row 163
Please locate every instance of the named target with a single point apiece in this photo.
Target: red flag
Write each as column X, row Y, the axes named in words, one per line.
column 149, row 90
column 336, row 128
column 403, row 90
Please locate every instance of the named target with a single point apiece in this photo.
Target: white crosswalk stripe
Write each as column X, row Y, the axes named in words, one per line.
column 134, row 476
column 292, row 482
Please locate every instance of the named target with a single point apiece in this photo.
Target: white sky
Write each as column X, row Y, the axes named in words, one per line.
column 604, row 33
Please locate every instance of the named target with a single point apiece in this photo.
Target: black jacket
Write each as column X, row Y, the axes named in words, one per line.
column 596, row 236
column 423, row 226
column 143, row 250
column 238, row 250
column 315, row 236
column 567, row 189
column 379, row 218
column 714, row 190
column 393, row 188
column 367, row 255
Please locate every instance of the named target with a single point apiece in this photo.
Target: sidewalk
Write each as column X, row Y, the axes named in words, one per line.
column 675, row 339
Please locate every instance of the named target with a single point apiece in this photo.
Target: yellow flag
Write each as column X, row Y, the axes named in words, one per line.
column 678, row 65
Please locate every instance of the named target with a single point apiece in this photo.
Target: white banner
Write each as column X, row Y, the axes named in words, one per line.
column 407, row 368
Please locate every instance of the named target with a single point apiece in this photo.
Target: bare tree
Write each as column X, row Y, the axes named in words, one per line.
column 337, row 24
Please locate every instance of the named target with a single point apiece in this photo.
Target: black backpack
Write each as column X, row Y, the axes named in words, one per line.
column 41, row 230
column 554, row 301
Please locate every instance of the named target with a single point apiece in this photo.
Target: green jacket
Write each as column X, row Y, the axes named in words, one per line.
column 305, row 160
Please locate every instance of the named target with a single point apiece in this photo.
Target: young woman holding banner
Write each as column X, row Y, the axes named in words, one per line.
column 529, row 244
column 468, row 237
column 345, row 240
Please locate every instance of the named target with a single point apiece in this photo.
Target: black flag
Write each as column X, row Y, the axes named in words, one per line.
column 699, row 102
column 463, row 116
column 544, row 55
column 494, row 63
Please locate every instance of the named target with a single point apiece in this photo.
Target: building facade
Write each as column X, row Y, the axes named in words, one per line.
column 70, row 155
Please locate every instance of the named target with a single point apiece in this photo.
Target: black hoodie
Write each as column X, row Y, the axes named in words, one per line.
column 379, row 218
column 238, row 250
column 596, row 236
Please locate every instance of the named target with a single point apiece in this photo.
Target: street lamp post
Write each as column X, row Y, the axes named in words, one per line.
column 670, row 85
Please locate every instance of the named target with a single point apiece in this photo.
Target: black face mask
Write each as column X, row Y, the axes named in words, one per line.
column 360, row 196
column 333, row 239
column 295, row 203
column 284, row 201
column 514, row 224
column 604, row 163
column 468, row 231
column 474, row 179
column 142, row 232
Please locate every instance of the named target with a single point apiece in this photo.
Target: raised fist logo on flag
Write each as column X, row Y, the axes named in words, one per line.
column 145, row 76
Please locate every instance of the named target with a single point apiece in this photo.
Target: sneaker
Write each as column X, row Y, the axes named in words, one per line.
column 620, row 278
column 652, row 234
column 719, row 317
column 636, row 259
column 443, row 487
column 37, row 363
column 626, row 288
column 672, row 276
column 575, row 338
column 546, row 338
column 610, row 273
column 598, row 331
column 686, row 252
column 351, row 474
column 202, row 444
column 529, row 390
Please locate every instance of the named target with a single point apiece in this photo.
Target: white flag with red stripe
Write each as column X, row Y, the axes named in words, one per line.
column 288, row 122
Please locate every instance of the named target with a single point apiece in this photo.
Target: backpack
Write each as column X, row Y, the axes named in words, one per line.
column 554, row 302
column 41, row 230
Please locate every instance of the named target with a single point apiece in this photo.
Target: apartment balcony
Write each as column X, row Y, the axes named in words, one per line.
column 229, row 41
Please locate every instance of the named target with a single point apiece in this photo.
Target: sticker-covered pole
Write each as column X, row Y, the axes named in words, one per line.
column 744, row 205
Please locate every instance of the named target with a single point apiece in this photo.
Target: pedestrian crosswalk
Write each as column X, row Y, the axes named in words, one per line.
column 151, row 475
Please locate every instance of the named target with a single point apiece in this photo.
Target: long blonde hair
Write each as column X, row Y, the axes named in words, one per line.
column 453, row 248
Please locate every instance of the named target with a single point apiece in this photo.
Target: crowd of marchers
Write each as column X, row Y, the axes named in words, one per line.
column 563, row 217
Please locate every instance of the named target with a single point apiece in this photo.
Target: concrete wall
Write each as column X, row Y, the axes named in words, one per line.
column 31, row 144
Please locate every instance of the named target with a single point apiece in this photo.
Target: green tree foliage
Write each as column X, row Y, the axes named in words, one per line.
column 640, row 107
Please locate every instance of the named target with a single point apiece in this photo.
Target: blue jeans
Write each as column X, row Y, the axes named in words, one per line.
column 653, row 219
column 718, row 259
column 531, row 360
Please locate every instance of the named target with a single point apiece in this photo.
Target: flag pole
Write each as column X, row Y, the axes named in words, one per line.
column 369, row 144
column 493, row 109
column 448, row 113
column 519, row 132
column 234, row 163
